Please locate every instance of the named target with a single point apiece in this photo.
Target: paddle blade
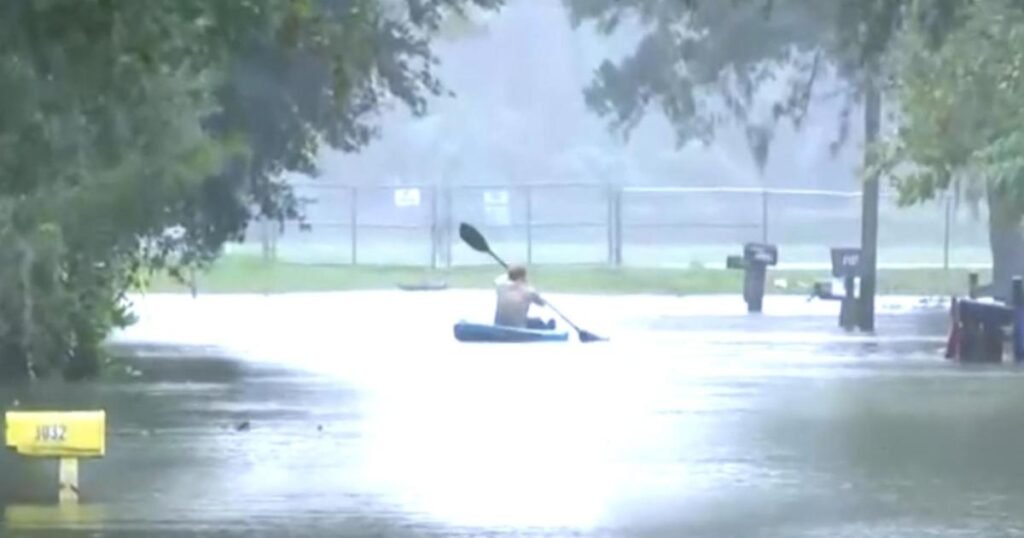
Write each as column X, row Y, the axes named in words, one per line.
column 473, row 238
column 587, row 336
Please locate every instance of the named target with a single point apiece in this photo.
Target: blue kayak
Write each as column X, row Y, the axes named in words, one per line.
column 484, row 332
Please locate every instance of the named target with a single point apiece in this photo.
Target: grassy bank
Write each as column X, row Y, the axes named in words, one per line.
column 241, row 274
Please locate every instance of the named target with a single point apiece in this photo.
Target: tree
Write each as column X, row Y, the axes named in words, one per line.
column 703, row 62
column 95, row 137
column 137, row 136
column 691, row 65
column 960, row 119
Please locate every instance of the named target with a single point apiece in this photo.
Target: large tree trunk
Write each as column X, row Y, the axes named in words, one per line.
column 1006, row 238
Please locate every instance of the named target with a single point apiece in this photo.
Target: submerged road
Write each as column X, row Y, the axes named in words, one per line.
column 358, row 415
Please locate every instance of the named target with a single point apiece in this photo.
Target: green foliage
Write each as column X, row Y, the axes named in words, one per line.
column 960, row 107
column 141, row 136
column 689, row 62
column 952, row 66
column 703, row 62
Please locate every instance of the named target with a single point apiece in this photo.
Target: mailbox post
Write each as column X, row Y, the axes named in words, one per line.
column 846, row 264
column 66, row 435
column 756, row 259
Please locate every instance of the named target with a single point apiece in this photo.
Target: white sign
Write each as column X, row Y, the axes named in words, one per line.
column 496, row 197
column 496, row 208
column 407, row 197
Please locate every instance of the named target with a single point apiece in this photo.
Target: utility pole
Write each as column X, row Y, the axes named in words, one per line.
column 869, row 210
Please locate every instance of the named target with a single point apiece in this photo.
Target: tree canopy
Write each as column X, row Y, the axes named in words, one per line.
column 143, row 135
column 958, row 106
column 703, row 63
column 959, row 120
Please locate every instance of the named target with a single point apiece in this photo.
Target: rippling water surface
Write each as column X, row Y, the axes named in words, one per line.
column 367, row 419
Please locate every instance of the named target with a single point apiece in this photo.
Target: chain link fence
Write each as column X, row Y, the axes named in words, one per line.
column 595, row 224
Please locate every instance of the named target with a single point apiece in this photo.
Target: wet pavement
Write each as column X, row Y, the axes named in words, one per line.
column 359, row 415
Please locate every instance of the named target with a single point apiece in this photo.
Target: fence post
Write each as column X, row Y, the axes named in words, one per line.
column 354, row 223
column 264, row 239
column 615, row 225
column 275, row 234
column 764, row 215
column 529, row 224
column 946, row 235
column 435, row 234
column 449, row 216
column 610, row 223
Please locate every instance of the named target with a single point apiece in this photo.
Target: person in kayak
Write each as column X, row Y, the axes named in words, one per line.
column 515, row 296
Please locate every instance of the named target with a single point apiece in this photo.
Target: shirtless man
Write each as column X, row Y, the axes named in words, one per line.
column 515, row 295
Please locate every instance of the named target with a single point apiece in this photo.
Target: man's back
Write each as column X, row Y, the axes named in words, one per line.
column 514, row 299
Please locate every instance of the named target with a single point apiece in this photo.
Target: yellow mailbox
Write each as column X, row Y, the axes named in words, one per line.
column 67, row 435
column 60, row 434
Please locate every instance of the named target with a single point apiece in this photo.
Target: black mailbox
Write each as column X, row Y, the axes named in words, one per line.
column 756, row 258
column 846, row 263
column 761, row 253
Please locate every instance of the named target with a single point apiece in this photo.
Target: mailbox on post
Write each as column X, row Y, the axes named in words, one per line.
column 756, row 259
column 67, row 435
column 846, row 264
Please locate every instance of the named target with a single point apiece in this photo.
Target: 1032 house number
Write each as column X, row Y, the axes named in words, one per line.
column 51, row 433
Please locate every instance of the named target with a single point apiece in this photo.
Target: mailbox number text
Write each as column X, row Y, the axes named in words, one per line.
column 850, row 260
column 51, row 433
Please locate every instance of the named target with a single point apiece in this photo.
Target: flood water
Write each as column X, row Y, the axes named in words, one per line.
column 366, row 418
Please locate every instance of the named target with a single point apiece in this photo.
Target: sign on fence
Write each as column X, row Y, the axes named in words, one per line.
column 496, row 207
column 407, row 197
